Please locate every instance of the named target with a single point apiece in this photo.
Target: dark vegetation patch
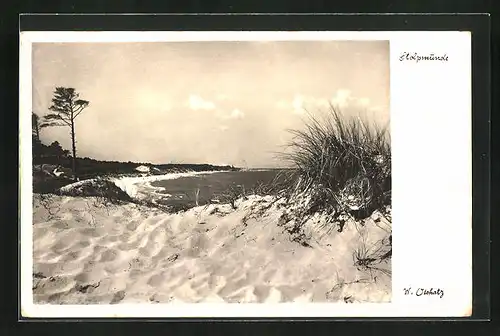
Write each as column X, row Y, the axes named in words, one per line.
column 90, row 168
column 101, row 188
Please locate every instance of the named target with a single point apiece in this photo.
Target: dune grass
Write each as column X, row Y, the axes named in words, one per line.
column 342, row 162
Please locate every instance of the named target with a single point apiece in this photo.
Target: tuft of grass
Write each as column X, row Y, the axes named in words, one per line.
column 232, row 194
column 342, row 162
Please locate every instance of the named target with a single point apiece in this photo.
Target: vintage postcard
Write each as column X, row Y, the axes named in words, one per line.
column 245, row 174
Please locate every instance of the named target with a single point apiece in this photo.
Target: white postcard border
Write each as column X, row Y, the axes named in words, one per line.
column 432, row 178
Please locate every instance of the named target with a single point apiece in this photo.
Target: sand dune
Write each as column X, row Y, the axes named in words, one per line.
column 85, row 252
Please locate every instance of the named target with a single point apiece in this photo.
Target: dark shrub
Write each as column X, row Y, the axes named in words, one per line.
column 97, row 188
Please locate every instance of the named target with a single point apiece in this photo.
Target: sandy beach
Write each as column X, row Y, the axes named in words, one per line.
column 86, row 252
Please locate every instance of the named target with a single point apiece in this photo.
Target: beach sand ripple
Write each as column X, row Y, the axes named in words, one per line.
column 85, row 254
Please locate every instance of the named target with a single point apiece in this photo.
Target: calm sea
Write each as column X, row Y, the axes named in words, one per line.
column 211, row 186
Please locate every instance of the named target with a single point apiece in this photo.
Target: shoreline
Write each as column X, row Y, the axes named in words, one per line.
column 139, row 187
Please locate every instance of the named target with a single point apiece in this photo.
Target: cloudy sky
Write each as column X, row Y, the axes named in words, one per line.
column 206, row 102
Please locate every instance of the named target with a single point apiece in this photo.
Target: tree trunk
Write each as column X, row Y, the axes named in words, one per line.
column 73, row 161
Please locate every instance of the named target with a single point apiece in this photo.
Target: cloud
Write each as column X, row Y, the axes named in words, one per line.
column 197, row 103
column 342, row 99
column 234, row 114
column 237, row 114
column 298, row 104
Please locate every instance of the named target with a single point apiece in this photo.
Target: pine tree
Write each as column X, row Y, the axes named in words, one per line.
column 66, row 106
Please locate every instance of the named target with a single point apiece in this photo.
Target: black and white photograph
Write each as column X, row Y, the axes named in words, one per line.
column 252, row 171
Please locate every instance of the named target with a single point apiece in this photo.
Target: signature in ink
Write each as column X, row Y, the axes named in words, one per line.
column 424, row 292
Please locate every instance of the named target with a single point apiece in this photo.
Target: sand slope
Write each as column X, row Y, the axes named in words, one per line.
column 85, row 252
